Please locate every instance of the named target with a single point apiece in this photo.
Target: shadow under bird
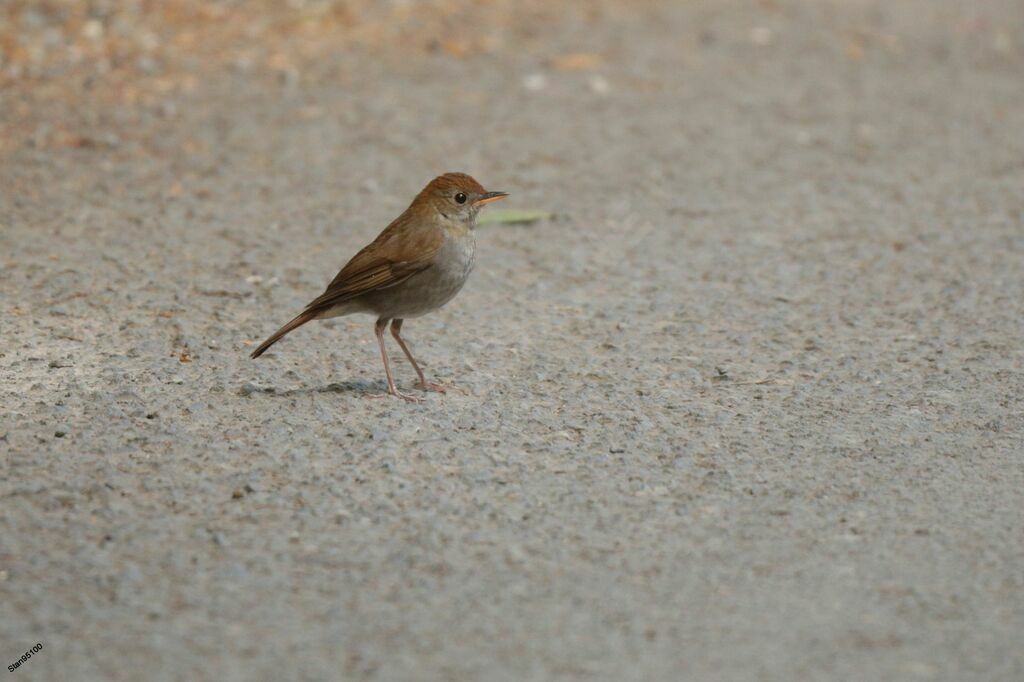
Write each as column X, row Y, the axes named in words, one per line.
column 416, row 265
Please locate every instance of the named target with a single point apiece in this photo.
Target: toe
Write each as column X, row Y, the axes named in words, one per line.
column 407, row 398
column 439, row 388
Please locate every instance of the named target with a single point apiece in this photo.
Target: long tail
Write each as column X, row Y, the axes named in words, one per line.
column 300, row 320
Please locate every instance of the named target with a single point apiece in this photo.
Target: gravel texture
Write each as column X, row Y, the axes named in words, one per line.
column 749, row 408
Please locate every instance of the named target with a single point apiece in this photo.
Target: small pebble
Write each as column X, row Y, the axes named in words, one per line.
column 249, row 388
column 761, row 36
column 535, row 82
column 92, row 30
column 600, row 85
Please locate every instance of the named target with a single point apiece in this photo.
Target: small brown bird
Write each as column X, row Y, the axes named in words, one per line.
column 416, row 265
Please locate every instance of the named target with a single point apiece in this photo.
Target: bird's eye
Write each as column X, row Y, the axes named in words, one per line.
column 460, row 198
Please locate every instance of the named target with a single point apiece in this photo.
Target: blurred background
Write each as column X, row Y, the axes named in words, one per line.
column 743, row 393
column 139, row 53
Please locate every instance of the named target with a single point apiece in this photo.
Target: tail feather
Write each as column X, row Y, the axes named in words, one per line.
column 299, row 320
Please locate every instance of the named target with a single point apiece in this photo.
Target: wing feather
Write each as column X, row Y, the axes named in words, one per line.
column 402, row 250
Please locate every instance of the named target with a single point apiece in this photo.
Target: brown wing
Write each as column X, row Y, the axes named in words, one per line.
column 400, row 251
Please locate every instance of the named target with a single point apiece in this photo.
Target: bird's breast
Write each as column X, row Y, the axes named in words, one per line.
column 457, row 255
column 430, row 289
column 451, row 267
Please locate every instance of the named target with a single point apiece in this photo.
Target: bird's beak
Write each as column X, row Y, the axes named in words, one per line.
column 488, row 197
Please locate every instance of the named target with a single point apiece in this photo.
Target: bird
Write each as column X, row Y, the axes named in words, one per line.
column 416, row 265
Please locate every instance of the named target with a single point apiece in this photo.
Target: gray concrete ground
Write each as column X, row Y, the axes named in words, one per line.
column 749, row 409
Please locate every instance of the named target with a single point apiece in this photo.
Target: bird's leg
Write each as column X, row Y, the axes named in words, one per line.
column 392, row 390
column 396, row 329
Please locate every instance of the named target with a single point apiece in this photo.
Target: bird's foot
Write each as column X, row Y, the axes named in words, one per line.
column 439, row 388
column 398, row 394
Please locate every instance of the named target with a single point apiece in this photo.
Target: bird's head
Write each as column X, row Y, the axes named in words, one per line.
column 454, row 196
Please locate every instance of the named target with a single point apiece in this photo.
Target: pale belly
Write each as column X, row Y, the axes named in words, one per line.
column 430, row 289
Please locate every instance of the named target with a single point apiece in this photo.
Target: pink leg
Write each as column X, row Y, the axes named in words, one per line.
column 392, row 390
column 396, row 328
